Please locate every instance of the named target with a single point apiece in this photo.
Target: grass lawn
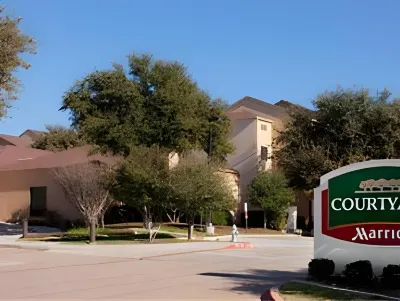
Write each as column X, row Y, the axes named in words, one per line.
column 126, row 242
column 128, row 233
column 111, row 240
column 292, row 291
column 105, row 236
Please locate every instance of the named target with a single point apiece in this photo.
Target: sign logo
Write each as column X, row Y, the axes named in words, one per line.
column 363, row 206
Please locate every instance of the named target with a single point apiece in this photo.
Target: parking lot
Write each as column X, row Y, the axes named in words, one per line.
column 123, row 272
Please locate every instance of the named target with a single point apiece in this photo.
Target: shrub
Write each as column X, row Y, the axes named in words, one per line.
column 54, row 219
column 359, row 273
column 77, row 223
column 321, row 269
column 391, row 276
column 281, row 221
column 220, row 218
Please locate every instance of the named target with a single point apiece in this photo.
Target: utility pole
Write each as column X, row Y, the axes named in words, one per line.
column 209, row 227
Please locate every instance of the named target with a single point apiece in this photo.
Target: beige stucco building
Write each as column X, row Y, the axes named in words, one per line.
column 27, row 185
column 255, row 125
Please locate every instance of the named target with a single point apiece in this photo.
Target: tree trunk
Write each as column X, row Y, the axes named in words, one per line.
column 169, row 217
column 265, row 220
column 153, row 233
column 147, row 217
column 102, row 220
column 92, row 230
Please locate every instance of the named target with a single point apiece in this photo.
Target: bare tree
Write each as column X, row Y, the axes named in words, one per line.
column 86, row 187
column 173, row 212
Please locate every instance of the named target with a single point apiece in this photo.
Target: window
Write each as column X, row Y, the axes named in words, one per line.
column 264, row 153
column 38, row 201
column 263, row 127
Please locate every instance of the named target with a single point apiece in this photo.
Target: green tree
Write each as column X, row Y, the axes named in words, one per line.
column 58, row 138
column 269, row 190
column 155, row 103
column 346, row 126
column 199, row 188
column 143, row 181
column 216, row 143
column 106, row 110
column 14, row 44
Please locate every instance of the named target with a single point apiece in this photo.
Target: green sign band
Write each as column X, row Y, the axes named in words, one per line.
column 370, row 195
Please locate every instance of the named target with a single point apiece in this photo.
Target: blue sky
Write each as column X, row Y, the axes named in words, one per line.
column 270, row 50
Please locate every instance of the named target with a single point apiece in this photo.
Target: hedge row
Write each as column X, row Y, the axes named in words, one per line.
column 357, row 274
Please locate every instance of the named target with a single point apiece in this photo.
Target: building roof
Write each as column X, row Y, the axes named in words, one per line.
column 33, row 134
column 259, row 106
column 247, row 115
column 289, row 106
column 11, row 154
column 71, row 156
column 15, row 140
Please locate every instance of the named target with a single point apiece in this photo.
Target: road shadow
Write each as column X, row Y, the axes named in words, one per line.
column 257, row 281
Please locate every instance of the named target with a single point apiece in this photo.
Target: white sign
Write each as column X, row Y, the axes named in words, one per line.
column 356, row 214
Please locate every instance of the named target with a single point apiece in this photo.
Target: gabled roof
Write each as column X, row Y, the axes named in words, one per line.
column 33, row 134
column 259, row 106
column 15, row 140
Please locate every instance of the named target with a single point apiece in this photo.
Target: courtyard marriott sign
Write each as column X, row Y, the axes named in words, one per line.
column 356, row 211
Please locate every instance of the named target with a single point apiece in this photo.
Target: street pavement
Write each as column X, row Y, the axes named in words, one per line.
column 147, row 272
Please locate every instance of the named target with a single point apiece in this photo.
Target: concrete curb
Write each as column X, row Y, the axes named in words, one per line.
column 271, row 295
column 24, row 246
column 345, row 290
column 213, row 238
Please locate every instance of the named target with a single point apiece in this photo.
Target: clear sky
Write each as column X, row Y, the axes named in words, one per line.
column 270, row 50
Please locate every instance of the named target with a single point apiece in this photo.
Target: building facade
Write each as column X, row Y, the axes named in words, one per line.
column 255, row 125
column 27, row 185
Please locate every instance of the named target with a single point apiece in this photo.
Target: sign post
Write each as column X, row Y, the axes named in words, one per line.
column 357, row 214
column 245, row 213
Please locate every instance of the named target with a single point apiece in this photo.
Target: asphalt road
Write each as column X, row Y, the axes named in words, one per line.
column 211, row 275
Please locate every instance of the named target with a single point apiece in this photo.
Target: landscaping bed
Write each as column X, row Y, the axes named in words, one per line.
column 358, row 275
column 295, row 291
